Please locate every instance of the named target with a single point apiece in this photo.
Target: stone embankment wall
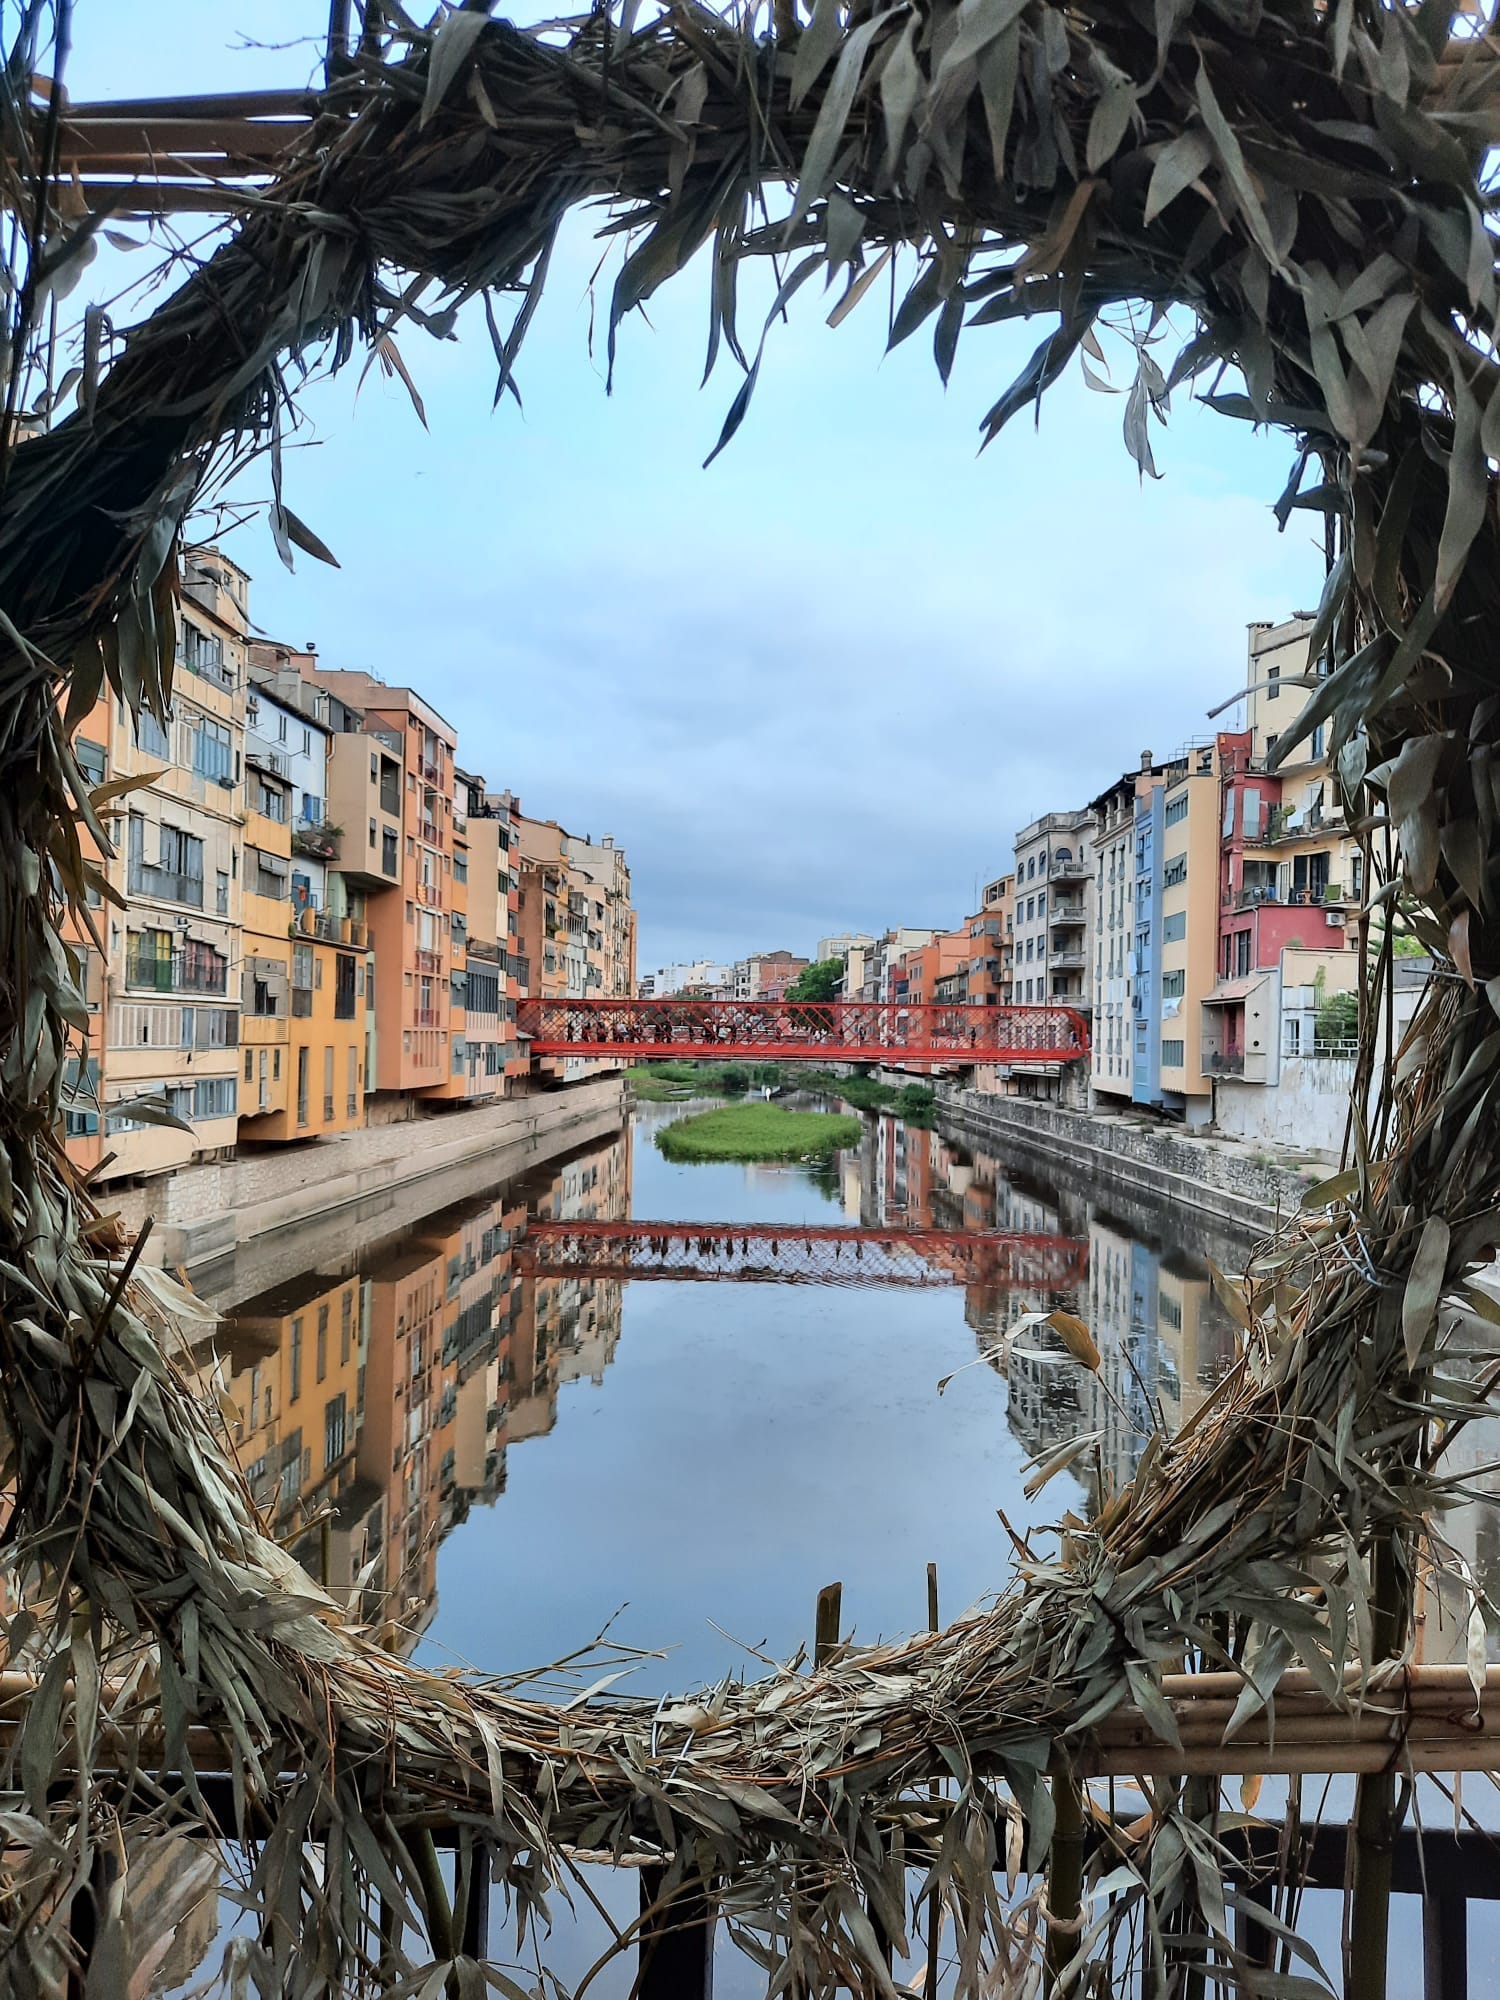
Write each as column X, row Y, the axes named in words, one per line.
column 206, row 1211
column 1215, row 1177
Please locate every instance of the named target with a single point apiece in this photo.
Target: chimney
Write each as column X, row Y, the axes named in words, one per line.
column 1145, row 761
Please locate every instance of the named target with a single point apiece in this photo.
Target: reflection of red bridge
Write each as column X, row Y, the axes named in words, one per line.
column 831, row 1031
column 771, row 1254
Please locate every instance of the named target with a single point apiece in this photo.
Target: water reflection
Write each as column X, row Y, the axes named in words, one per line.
column 379, row 1395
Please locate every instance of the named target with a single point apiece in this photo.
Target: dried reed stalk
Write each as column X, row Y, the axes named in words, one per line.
column 1307, row 186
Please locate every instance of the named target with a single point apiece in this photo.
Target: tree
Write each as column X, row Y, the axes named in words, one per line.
column 818, row 982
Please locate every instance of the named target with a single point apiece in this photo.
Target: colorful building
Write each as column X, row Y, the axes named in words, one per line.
column 403, row 763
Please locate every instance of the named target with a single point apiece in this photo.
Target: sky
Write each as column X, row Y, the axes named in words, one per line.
column 815, row 687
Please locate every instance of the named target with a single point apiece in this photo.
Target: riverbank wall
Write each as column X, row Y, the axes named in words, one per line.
column 1214, row 1177
column 206, row 1213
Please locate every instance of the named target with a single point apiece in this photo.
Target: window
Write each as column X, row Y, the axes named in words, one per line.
column 1241, row 954
column 1174, row 872
column 1273, row 680
column 268, row 800
column 1271, row 741
column 302, row 1070
column 322, row 1362
column 90, row 758
column 215, row 1096
column 352, row 1094
column 150, row 737
column 1320, row 740
column 221, row 893
column 1031, row 869
column 328, row 1086
column 1174, row 927
column 312, row 809
column 334, row 1428
column 211, row 748
column 389, row 864
column 294, row 1363
column 460, row 866
column 249, row 1065
column 1173, row 985
column 1171, row 1055
column 1177, row 810
column 346, row 1324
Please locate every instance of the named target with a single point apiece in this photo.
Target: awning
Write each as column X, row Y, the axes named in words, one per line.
column 1233, row 991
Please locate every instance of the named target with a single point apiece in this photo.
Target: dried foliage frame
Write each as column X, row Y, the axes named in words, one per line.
column 1308, row 184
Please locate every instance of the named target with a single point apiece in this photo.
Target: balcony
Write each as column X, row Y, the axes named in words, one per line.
column 1223, row 1062
column 1066, row 961
column 428, row 1017
column 145, row 878
column 174, row 975
column 261, row 755
column 1316, row 823
column 331, row 929
column 433, row 773
column 1070, row 871
column 1068, row 915
column 427, row 830
column 1250, row 896
column 321, row 841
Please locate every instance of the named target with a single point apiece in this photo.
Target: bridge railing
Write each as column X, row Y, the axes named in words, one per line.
column 833, row 1030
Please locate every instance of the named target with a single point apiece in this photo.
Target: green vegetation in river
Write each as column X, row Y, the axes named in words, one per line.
column 758, row 1132
column 655, row 1083
column 915, row 1103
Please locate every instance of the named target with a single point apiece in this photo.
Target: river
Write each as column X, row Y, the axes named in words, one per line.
column 504, row 1448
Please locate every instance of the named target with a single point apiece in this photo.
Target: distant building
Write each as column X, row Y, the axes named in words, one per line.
column 1290, row 885
column 700, row 977
column 1053, row 929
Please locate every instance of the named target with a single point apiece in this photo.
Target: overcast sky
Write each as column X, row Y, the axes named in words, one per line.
column 815, row 687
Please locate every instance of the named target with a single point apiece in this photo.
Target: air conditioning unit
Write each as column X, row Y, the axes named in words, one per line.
column 1334, row 919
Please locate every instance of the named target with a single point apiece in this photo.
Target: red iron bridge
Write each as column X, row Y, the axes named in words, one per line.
column 873, row 1031
column 774, row 1254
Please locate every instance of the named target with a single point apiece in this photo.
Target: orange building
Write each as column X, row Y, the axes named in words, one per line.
column 413, row 841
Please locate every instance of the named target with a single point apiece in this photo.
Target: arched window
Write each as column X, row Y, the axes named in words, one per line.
column 1062, row 854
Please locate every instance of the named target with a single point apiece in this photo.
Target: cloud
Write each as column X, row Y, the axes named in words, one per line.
column 820, row 684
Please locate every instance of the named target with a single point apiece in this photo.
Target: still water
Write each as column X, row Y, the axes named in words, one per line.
column 517, row 1457
column 469, row 1422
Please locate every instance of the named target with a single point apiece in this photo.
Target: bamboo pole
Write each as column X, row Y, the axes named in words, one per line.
column 935, row 1900
column 1368, row 1944
column 1064, row 1876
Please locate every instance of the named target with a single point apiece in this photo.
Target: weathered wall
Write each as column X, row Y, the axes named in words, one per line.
column 205, row 1211
column 1217, row 1179
column 1307, row 1108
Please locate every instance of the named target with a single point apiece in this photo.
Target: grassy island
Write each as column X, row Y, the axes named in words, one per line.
column 758, row 1131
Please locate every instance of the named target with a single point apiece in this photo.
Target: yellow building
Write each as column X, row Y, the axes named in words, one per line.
column 1189, row 924
column 172, row 1014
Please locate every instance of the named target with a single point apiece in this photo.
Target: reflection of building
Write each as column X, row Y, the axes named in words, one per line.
column 296, row 1361
column 568, row 1327
column 372, row 1405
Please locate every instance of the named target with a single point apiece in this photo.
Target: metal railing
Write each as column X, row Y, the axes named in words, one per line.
column 1223, row 1062
column 173, row 975
column 147, row 878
